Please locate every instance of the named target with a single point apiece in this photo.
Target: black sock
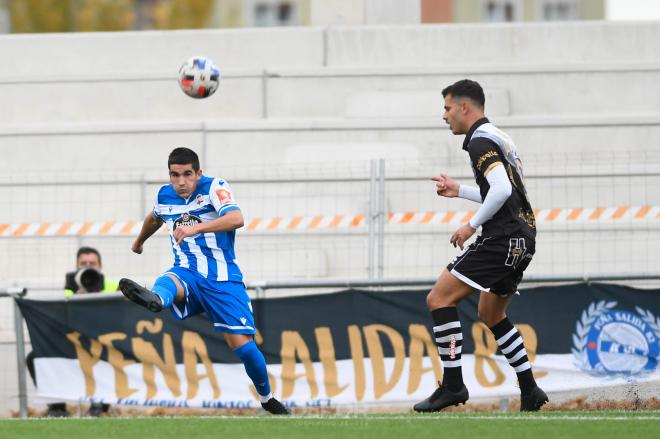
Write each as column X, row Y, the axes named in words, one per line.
column 449, row 339
column 511, row 345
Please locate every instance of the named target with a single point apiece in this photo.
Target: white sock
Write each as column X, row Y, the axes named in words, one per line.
column 264, row 399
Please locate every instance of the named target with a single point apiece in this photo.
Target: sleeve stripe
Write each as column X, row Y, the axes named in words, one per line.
column 491, row 166
column 227, row 207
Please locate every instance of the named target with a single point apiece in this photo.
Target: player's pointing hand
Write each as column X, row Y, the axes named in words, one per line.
column 445, row 186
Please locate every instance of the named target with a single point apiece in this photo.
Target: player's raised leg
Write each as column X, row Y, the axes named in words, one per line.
column 255, row 366
column 492, row 311
column 165, row 291
column 442, row 301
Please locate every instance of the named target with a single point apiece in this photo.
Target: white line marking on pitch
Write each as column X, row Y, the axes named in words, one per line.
column 367, row 418
column 426, row 418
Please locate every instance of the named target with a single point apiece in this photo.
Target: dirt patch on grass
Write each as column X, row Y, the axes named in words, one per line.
column 580, row 404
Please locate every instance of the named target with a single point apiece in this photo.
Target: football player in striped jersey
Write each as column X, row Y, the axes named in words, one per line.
column 494, row 263
column 202, row 215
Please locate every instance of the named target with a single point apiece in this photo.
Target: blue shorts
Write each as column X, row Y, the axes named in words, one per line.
column 226, row 303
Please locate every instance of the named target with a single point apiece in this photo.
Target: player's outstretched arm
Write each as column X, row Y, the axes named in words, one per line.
column 469, row 193
column 445, row 186
column 232, row 220
column 150, row 226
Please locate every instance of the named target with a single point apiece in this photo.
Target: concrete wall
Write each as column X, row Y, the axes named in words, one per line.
column 352, row 12
column 577, row 98
column 162, row 52
column 500, row 44
column 77, row 55
column 354, row 93
column 138, row 149
column 543, row 69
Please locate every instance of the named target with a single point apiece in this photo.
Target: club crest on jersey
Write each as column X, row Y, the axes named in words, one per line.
column 223, row 196
column 609, row 341
column 199, row 199
column 186, row 220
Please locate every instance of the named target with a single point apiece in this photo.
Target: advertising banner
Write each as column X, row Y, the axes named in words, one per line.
column 349, row 347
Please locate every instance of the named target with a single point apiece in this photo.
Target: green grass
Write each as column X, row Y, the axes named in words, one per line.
column 582, row 425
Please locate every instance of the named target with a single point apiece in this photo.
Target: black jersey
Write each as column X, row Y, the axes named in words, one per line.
column 488, row 146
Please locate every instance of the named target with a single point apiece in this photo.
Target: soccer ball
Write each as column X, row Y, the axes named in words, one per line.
column 199, row 77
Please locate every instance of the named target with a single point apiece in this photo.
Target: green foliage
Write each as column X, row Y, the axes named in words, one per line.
column 104, row 15
column 107, row 15
column 181, row 14
column 39, row 15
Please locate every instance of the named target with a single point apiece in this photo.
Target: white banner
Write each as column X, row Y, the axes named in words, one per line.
column 227, row 385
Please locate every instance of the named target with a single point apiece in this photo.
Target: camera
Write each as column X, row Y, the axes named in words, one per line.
column 88, row 279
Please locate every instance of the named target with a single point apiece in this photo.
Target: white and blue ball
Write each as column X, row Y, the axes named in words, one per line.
column 199, row 77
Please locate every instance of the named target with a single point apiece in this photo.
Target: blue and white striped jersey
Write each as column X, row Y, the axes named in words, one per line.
column 210, row 254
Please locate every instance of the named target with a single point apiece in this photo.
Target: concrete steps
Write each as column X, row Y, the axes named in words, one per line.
column 139, row 53
column 141, row 147
column 388, row 93
column 84, row 110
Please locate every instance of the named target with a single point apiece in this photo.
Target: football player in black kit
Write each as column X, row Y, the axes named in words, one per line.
column 494, row 263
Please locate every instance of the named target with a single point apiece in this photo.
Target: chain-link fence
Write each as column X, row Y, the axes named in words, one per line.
column 352, row 220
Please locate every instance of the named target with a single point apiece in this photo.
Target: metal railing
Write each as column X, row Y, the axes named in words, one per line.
column 20, row 348
column 428, row 281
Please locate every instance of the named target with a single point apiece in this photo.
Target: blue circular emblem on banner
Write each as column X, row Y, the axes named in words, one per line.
column 622, row 342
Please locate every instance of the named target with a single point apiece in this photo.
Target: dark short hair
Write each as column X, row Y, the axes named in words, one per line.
column 183, row 156
column 466, row 88
column 87, row 250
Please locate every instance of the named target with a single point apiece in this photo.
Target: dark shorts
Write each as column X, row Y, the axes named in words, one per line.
column 494, row 264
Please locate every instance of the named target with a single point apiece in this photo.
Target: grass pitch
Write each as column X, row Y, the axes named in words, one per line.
column 574, row 424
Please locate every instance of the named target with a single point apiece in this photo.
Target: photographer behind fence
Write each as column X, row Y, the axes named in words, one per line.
column 88, row 278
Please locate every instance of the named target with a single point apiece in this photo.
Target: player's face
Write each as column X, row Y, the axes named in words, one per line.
column 454, row 114
column 184, row 179
column 89, row 260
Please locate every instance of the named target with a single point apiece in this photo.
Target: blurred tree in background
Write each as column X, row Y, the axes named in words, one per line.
column 107, row 15
column 181, row 14
column 103, row 15
column 39, row 15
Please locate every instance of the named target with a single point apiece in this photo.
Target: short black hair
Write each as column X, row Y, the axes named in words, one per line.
column 183, row 156
column 466, row 88
column 87, row 250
